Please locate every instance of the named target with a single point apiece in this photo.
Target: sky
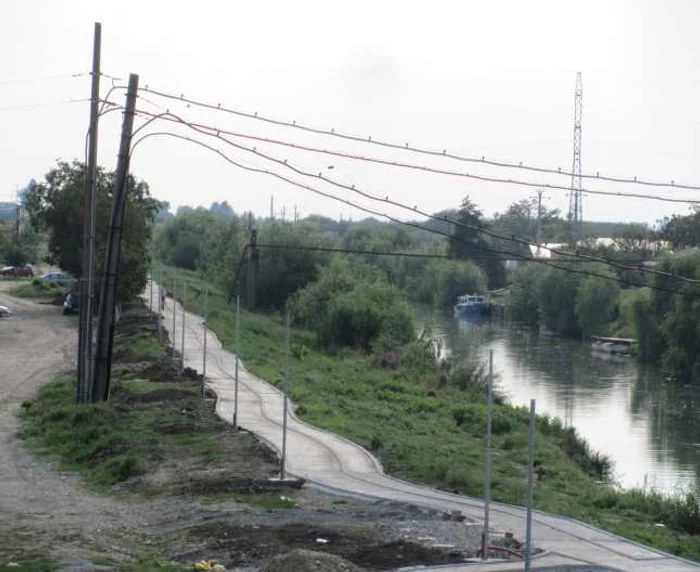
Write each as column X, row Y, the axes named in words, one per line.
column 480, row 79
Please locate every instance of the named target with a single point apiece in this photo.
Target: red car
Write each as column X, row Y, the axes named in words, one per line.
column 25, row 270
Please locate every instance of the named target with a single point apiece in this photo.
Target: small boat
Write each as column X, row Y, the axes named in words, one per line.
column 471, row 304
column 618, row 346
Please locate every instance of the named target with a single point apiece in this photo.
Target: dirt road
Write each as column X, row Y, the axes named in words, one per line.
column 45, row 511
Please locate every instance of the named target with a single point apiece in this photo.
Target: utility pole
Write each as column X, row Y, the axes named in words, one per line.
column 538, row 236
column 272, row 208
column 530, row 471
column 110, row 281
column 296, row 215
column 150, row 279
column 487, row 488
column 87, row 271
column 238, row 354
column 283, row 458
column 253, row 260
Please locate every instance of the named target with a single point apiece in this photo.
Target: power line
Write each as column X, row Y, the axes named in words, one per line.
column 407, row 147
column 425, row 168
column 394, row 254
column 387, row 200
column 511, row 255
column 20, row 81
column 44, row 104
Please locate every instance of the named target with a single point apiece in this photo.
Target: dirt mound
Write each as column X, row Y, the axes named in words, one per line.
column 309, row 561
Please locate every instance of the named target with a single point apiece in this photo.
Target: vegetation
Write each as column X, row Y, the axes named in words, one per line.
column 425, row 420
column 568, row 303
column 37, row 289
column 55, row 206
column 154, row 417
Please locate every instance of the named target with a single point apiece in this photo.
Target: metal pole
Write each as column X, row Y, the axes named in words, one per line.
column 487, row 491
column 172, row 335
column 286, row 395
column 160, row 312
column 88, row 272
column 204, row 343
column 530, row 471
column 184, row 312
column 110, row 282
column 161, row 307
column 150, row 278
column 238, row 353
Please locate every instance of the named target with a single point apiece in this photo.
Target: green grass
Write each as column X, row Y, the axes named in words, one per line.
column 143, row 423
column 432, row 434
column 35, row 289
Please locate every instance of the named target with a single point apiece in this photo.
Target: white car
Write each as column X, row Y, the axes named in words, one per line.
column 5, row 312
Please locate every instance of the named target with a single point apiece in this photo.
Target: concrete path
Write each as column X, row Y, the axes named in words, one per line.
column 336, row 464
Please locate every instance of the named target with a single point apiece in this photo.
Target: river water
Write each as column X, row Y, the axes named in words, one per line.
column 648, row 425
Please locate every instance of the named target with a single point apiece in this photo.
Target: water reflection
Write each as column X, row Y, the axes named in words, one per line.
column 647, row 424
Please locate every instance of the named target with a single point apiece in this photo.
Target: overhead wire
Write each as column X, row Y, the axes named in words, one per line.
column 39, row 79
column 511, row 255
column 420, row 150
column 44, row 104
column 387, row 200
column 435, row 170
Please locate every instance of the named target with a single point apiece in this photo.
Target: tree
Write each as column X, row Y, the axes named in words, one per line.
column 466, row 242
column 557, row 301
column 523, row 305
column 57, row 206
column 222, row 209
column 596, row 299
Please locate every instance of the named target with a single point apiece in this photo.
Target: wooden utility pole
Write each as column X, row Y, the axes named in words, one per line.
column 87, row 277
column 110, row 281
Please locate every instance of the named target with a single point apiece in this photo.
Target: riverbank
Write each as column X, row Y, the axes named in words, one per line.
column 434, row 434
column 170, row 481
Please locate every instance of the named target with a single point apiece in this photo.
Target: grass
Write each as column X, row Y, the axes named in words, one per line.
column 144, row 425
column 36, row 289
column 434, row 434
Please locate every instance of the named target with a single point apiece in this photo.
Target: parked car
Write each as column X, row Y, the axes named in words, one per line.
column 57, row 278
column 71, row 303
column 5, row 312
column 24, row 270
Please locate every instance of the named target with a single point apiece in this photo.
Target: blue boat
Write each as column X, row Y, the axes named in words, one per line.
column 471, row 304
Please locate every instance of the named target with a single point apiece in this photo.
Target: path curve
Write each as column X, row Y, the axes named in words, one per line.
column 336, row 464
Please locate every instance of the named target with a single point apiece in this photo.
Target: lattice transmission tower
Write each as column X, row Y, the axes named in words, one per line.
column 575, row 197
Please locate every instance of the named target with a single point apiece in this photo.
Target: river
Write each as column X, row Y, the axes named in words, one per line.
column 647, row 425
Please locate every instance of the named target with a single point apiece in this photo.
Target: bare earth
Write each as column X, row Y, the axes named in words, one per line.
column 49, row 513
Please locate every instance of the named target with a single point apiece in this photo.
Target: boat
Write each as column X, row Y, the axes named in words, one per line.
column 618, row 346
column 471, row 304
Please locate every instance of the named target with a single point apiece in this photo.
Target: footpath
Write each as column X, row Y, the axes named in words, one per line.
column 335, row 464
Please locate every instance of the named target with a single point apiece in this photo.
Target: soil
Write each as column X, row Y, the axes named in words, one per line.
column 49, row 513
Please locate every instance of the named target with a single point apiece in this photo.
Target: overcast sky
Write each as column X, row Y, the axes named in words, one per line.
column 487, row 78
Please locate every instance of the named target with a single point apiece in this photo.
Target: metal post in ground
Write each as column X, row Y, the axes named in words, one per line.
column 530, row 471
column 150, row 279
column 161, row 307
column 160, row 312
column 204, row 342
column 183, row 313
column 172, row 334
column 238, row 353
column 487, row 488
column 283, row 458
